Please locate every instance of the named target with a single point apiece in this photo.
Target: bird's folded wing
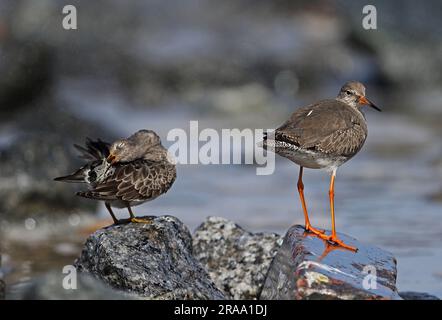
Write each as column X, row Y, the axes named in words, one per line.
column 326, row 128
column 134, row 181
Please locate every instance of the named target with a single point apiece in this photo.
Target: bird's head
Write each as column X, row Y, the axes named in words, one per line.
column 353, row 94
column 118, row 151
column 134, row 147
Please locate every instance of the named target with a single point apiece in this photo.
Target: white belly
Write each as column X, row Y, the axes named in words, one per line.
column 305, row 158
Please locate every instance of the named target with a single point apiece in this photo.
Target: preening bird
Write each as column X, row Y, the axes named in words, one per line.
column 125, row 173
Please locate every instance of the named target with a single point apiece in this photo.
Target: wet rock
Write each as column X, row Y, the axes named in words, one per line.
column 236, row 260
column 151, row 260
column 50, row 287
column 307, row 268
column 412, row 295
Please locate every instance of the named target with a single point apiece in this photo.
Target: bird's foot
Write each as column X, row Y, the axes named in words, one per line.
column 333, row 240
column 338, row 242
column 315, row 231
column 121, row 221
column 138, row 220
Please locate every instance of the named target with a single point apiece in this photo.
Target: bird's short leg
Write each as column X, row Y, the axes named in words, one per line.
column 135, row 219
column 108, row 207
column 308, row 226
column 334, row 238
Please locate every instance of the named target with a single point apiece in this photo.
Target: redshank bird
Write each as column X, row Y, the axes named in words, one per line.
column 129, row 172
column 324, row 135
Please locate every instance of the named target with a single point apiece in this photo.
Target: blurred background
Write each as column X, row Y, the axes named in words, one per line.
column 229, row 64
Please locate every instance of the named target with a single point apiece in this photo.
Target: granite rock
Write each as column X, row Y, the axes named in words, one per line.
column 307, row 267
column 236, row 260
column 153, row 261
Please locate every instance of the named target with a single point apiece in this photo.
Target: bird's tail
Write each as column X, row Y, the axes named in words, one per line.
column 76, row 177
column 93, row 150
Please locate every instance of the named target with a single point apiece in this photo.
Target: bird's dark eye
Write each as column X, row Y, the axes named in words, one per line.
column 348, row 92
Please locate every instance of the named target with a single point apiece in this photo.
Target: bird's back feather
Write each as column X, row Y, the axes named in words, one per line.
column 329, row 126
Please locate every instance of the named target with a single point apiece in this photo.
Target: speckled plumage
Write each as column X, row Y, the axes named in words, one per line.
column 145, row 173
column 136, row 181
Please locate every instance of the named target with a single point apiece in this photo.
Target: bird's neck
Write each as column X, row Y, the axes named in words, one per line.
column 352, row 104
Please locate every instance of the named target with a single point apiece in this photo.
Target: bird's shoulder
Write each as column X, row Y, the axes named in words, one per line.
column 331, row 111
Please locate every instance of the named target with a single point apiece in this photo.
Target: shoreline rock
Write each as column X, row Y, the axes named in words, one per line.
column 307, row 268
column 153, row 261
column 237, row 260
column 162, row 260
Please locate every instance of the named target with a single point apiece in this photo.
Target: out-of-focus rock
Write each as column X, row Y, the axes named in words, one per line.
column 150, row 260
column 26, row 67
column 236, row 260
column 251, row 97
column 2, row 284
column 2, row 289
column 412, row 295
column 197, row 49
column 66, row 286
column 306, row 267
column 36, row 147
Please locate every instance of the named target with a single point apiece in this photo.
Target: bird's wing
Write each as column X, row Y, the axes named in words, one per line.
column 134, row 181
column 328, row 126
column 93, row 150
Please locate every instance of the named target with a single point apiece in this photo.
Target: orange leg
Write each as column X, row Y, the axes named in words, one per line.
column 334, row 238
column 308, row 226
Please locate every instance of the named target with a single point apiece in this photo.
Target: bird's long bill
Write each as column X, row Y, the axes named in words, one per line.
column 364, row 100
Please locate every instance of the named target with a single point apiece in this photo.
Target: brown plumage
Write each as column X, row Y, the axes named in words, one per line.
column 324, row 135
column 134, row 181
column 329, row 126
column 129, row 172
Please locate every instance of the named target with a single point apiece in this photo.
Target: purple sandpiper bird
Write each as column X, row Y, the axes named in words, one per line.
column 129, row 172
column 324, row 135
